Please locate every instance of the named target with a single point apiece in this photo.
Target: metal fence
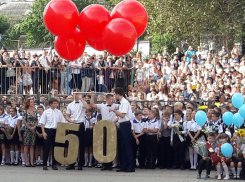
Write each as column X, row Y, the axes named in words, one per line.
column 32, row 80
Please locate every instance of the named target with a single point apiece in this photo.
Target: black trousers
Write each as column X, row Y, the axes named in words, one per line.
column 202, row 164
column 141, row 147
column 179, row 151
column 45, row 79
column 243, row 168
column 166, row 154
column 151, row 150
column 81, row 135
column 127, row 158
column 76, row 81
column 48, row 144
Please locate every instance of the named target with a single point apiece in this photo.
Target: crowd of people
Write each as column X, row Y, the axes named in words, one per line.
column 178, row 76
column 147, row 136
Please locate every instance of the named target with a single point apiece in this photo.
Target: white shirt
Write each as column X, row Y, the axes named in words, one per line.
column 106, row 114
column 184, row 126
column 137, row 126
column 38, row 118
column 75, row 70
column 125, row 108
column 140, row 74
column 76, row 111
column 193, row 126
column 152, row 124
column 43, row 61
column 4, row 118
column 51, row 117
column 93, row 120
column 12, row 121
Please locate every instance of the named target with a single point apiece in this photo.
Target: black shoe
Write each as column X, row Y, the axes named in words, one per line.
column 54, row 167
column 136, row 166
column 103, row 169
column 129, row 170
column 168, row 167
column 16, row 164
column 29, row 165
column 182, row 168
column 109, row 168
column 141, row 167
column 152, row 167
column 45, row 168
column 147, row 167
column 79, row 168
column 175, row 167
column 161, row 167
column 33, row 166
column 119, row 170
column 70, row 167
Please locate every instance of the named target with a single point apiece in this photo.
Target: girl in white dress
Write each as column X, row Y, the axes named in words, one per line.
column 27, row 80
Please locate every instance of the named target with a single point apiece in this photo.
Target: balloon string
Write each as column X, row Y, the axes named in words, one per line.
column 67, row 49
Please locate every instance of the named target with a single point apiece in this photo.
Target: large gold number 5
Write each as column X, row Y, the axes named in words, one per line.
column 111, row 144
column 73, row 140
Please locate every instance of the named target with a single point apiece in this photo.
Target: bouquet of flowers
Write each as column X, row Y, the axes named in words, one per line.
column 176, row 130
column 7, row 131
column 241, row 133
column 200, row 147
column 206, row 131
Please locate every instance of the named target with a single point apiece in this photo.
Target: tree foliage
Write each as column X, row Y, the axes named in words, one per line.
column 4, row 24
column 33, row 25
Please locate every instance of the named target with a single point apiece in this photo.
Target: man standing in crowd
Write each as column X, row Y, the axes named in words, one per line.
column 124, row 113
column 106, row 115
column 49, row 122
column 74, row 114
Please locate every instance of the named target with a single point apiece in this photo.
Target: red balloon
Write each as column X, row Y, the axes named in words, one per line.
column 119, row 37
column 92, row 21
column 70, row 47
column 61, row 17
column 134, row 12
column 96, row 44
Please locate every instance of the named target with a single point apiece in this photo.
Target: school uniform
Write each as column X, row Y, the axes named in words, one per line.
column 211, row 148
column 12, row 122
column 89, row 130
column 178, row 145
column 3, row 118
column 127, row 158
column 39, row 141
column 138, row 127
column 151, row 143
column 77, row 110
column 50, row 119
column 166, row 148
column 193, row 128
column 215, row 127
column 22, row 127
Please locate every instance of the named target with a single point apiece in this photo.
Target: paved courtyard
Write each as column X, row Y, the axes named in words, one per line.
column 23, row 174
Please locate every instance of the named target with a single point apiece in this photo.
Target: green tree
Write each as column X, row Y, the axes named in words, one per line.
column 33, row 25
column 4, row 24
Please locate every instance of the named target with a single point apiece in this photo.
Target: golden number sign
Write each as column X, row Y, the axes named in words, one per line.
column 98, row 141
column 73, row 146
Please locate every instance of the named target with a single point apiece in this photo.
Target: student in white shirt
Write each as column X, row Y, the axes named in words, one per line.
column 137, row 127
column 193, row 130
column 49, row 122
column 176, row 141
column 89, row 122
column 106, row 115
column 74, row 114
column 124, row 113
column 13, row 138
column 3, row 121
column 39, row 137
column 21, row 129
column 151, row 129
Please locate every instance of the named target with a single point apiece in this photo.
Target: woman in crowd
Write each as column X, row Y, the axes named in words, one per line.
column 30, row 120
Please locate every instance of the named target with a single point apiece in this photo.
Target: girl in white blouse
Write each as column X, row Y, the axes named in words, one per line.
column 3, row 121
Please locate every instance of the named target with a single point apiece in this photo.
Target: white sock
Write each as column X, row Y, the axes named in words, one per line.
column 17, row 153
column 239, row 171
column 218, row 170
column 3, row 158
column 115, row 162
column 226, row 170
column 90, row 159
column 191, row 156
column 12, row 156
column 195, row 159
column 86, row 159
column 233, row 170
column 22, row 157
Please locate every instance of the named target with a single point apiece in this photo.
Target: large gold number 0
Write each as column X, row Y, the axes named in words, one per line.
column 73, row 140
column 111, row 142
